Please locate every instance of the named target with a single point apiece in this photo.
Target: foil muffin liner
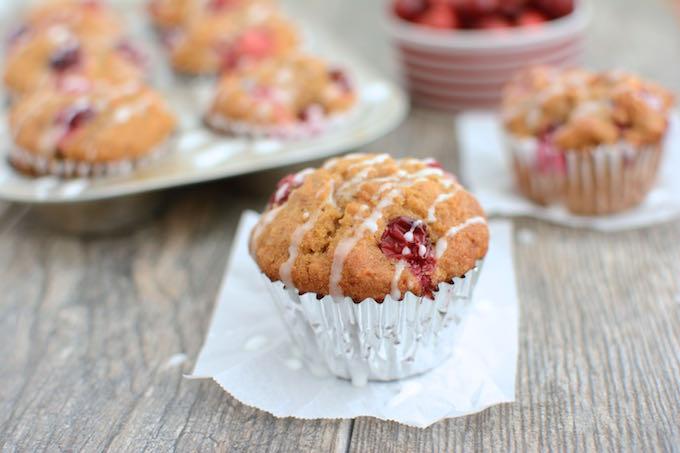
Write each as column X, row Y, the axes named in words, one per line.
column 603, row 180
column 375, row 341
column 35, row 165
column 295, row 131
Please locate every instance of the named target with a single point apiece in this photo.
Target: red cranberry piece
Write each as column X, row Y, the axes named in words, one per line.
column 253, row 44
column 433, row 163
column 494, row 22
column 407, row 239
column 531, row 18
column 511, row 7
column 75, row 117
column 65, row 58
column 439, row 16
column 340, row 78
column 220, row 5
column 555, row 8
column 473, row 9
column 549, row 159
column 284, row 188
column 409, row 9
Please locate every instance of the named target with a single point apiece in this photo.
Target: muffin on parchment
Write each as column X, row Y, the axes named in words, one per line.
column 88, row 131
column 373, row 262
column 590, row 141
column 292, row 96
column 213, row 42
column 55, row 56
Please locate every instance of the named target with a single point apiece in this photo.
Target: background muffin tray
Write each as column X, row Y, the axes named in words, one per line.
column 196, row 154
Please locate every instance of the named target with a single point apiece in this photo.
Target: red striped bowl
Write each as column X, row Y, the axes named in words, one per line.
column 458, row 70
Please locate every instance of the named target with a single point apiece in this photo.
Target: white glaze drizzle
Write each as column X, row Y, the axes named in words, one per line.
column 432, row 212
column 265, row 220
column 286, row 269
column 442, row 243
column 395, row 292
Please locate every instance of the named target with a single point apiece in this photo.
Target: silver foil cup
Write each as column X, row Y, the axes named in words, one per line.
column 375, row 341
column 604, row 180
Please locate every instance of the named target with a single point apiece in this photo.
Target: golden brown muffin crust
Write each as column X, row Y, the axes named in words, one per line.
column 325, row 230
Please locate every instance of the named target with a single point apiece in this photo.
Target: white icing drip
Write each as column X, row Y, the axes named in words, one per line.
column 124, row 113
column 406, row 251
column 345, row 246
column 432, row 212
column 395, row 292
column 442, row 243
column 286, row 269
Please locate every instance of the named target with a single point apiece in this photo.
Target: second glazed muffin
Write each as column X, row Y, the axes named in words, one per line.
column 99, row 130
column 592, row 141
column 392, row 241
column 293, row 96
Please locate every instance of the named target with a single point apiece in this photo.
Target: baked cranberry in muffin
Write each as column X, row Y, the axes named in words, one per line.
column 290, row 96
column 211, row 42
column 370, row 226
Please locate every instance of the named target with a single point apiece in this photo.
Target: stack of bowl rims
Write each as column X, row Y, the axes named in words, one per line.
column 457, row 55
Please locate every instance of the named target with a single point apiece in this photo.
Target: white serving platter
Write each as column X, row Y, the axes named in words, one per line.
column 196, row 154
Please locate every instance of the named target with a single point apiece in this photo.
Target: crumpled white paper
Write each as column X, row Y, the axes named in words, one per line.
column 248, row 352
column 488, row 173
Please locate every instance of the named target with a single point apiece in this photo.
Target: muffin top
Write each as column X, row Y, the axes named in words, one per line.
column 210, row 42
column 174, row 13
column 368, row 226
column 579, row 109
column 96, row 123
column 55, row 55
column 86, row 18
column 284, row 90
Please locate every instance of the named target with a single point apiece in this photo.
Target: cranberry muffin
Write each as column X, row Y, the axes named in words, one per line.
column 591, row 141
column 209, row 43
column 292, row 96
column 372, row 235
column 91, row 19
column 56, row 56
column 95, row 130
column 168, row 14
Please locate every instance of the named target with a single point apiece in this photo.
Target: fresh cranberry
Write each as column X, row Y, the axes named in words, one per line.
column 494, row 22
column 409, row 9
column 473, row 9
column 284, row 188
column 440, row 16
column 555, row 8
column 407, row 239
column 531, row 18
column 512, row 7
column 340, row 78
column 65, row 58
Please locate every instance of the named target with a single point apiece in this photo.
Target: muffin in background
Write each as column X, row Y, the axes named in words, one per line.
column 373, row 262
column 95, row 130
column 292, row 96
column 211, row 42
column 591, row 141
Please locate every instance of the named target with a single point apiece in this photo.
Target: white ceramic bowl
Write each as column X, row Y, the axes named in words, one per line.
column 466, row 69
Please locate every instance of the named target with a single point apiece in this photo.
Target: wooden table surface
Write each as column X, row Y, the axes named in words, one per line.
column 93, row 330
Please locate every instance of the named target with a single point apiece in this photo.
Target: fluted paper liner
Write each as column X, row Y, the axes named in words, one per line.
column 384, row 341
column 604, row 180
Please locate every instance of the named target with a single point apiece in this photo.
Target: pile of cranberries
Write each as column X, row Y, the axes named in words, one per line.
column 481, row 14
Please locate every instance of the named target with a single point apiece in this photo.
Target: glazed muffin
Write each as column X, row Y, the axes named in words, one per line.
column 592, row 141
column 96, row 130
column 292, row 96
column 55, row 56
column 175, row 13
column 371, row 237
column 90, row 19
column 210, row 43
